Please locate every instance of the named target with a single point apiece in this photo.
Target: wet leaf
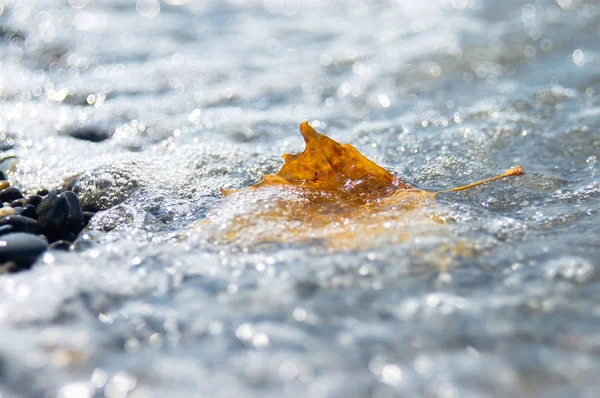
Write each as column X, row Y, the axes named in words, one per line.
column 326, row 165
column 329, row 193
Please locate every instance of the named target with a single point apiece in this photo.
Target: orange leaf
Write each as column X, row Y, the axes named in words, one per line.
column 326, row 165
column 331, row 193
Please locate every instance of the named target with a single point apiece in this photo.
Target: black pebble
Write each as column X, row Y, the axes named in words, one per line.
column 22, row 224
column 43, row 192
column 6, row 229
column 21, row 248
column 75, row 218
column 10, row 194
column 92, row 134
column 33, row 200
column 53, row 215
column 60, row 245
column 29, row 211
column 18, row 202
column 87, row 216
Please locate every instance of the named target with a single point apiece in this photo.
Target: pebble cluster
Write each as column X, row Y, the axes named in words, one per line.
column 32, row 224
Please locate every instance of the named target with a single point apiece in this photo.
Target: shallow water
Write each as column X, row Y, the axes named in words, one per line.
column 501, row 300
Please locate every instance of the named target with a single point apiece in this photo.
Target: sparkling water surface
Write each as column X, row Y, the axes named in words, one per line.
column 501, row 300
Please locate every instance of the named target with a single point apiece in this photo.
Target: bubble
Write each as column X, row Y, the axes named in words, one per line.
column 423, row 365
column 147, row 8
column 391, row 374
column 21, row 11
column 99, row 378
column 260, row 341
column 244, row 332
column 384, row 101
column 77, row 4
column 358, row 68
column 299, row 314
column 529, row 51
column 74, row 390
column 288, row 370
column 120, row 385
column 578, row 57
column 325, row 59
column 86, row 21
column 177, row 59
column 215, row 328
column 346, row 88
column 546, row 45
column 528, row 11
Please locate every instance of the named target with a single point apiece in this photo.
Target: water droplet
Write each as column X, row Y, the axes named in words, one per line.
column 578, row 57
column 74, row 390
column 391, row 374
column 148, row 8
column 384, row 101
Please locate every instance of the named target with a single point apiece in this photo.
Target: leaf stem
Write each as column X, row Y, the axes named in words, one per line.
column 513, row 171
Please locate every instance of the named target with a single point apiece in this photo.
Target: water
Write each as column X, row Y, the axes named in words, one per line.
column 503, row 299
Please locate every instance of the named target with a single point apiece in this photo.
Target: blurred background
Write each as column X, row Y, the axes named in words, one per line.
column 146, row 108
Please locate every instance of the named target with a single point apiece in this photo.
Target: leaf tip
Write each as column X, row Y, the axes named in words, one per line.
column 306, row 130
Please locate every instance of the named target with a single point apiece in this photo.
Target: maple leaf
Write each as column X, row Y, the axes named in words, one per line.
column 329, row 192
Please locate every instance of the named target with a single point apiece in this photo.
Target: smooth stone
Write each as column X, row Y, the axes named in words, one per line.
column 6, row 229
column 29, row 211
column 53, row 215
column 18, row 209
column 33, row 200
column 4, row 183
column 22, row 224
column 7, row 211
column 43, row 192
column 70, row 236
column 10, row 194
column 7, row 165
column 75, row 218
column 21, row 248
column 92, row 134
column 18, row 202
column 60, row 245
